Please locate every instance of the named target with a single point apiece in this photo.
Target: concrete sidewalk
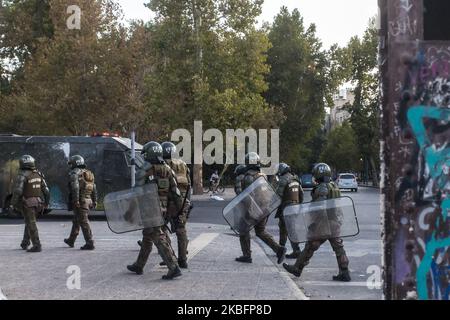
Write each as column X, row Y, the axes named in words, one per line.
column 212, row 275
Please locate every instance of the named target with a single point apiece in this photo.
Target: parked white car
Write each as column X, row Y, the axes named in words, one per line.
column 347, row 181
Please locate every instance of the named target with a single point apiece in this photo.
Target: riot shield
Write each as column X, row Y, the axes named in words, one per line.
column 133, row 209
column 251, row 206
column 321, row 220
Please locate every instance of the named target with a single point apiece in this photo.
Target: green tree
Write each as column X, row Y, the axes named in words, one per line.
column 362, row 62
column 80, row 81
column 299, row 83
column 24, row 23
column 210, row 65
column 341, row 150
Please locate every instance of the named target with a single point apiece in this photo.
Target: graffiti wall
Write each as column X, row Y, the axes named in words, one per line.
column 416, row 154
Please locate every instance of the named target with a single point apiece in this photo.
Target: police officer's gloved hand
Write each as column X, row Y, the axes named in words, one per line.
column 76, row 205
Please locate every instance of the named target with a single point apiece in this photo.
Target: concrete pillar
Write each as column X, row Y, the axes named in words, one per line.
column 415, row 152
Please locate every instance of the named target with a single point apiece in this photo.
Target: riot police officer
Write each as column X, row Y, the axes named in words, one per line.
column 252, row 173
column 291, row 193
column 176, row 217
column 82, row 198
column 325, row 189
column 30, row 197
column 155, row 170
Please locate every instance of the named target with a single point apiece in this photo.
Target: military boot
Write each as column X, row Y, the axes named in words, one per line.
column 295, row 251
column 35, row 248
column 244, row 259
column 293, row 270
column 172, row 274
column 281, row 254
column 24, row 245
column 293, row 255
column 135, row 268
column 69, row 242
column 344, row 276
column 182, row 264
column 88, row 246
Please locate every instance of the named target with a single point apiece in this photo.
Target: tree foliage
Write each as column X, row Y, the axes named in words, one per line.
column 299, row 83
column 196, row 60
column 210, row 65
column 361, row 61
column 341, row 150
column 79, row 81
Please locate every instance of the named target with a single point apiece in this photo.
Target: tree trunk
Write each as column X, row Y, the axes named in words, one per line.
column 376, row 182
column 198, row 179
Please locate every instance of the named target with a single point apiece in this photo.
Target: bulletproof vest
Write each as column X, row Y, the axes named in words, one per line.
column 160, row 174
column 86, row 181
column 181, row 173
column 291, row 193
column 32, row 186
column 251, row 176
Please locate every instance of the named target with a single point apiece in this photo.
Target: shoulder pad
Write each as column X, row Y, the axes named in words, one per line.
column 167, row 167
column 147, row 166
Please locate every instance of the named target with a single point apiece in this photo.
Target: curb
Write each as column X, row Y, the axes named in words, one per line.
column 368, row 186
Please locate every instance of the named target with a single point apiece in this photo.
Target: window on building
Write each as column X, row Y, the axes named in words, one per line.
column 436, row 19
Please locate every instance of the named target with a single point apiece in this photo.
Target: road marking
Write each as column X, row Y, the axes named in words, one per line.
column 2, row 296
column 296, row 291
column 196, row 245
column 199, row 243
column 340, row 284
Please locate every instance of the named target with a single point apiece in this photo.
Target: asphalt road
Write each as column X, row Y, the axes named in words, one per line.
column 212, row 274
column 364, row 251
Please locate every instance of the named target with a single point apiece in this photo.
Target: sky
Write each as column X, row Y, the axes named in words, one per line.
column 336, row 20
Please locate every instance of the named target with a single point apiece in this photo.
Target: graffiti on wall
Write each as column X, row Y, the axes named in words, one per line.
column 405, row 23
column 423, row 188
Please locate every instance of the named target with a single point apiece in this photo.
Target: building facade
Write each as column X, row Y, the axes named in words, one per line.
column 338, row 113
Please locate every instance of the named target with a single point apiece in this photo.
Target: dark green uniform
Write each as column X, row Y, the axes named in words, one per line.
column 289, row 189
column 238, row 183
column 83, row 197
column 250, row 176
column 169, row 195
column 30, row 197
column 178, row 218
column 322, row 192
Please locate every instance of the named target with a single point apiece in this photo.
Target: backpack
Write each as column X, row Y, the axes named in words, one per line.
column 181, row 172
column 87, row 181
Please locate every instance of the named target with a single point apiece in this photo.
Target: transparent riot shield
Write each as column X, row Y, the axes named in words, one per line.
column 133, row 209
column 254, row 204
column 321, row 220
